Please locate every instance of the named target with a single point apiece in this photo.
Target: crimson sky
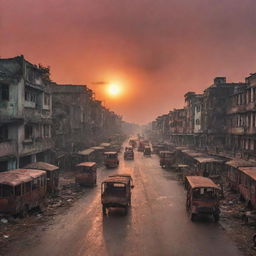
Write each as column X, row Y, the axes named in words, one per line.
column 159, row 49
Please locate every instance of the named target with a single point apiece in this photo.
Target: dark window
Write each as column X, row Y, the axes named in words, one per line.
column 46, row 99
column 4, row 90
column 3, row 166
column 18, row 190
column 28, row 187
column 3, row 133
column 28, row 131
column 7, row 191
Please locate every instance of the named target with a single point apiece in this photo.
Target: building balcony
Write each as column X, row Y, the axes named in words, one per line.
column 236, row 130
column 8, row 148
column 242, row 108
column 36, row 145
column 251, row 106
column 236, row 109
column 250, row 130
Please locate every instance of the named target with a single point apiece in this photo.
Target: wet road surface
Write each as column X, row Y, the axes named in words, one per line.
column 157, row 223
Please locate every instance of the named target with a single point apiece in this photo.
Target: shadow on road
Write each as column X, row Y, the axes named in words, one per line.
column 116, row 227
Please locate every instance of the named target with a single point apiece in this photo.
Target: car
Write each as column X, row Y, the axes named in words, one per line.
column 147, row 151
column 128, row 153
column 111, row 159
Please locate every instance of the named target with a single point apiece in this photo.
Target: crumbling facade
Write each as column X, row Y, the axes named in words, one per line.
column 221, row 120
column 25, row 113
column 44, row 121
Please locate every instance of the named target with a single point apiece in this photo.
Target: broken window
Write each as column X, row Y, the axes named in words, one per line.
column 3, row 133
column 28, row 131
column 46, row 99
column 30, row 96
column 4, row 91
column 3, row 166
column 46, row 131
column 6, row 191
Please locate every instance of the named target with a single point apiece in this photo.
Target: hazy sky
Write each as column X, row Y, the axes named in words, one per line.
column 158, row 49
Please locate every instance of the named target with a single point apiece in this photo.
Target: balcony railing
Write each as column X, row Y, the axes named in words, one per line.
column 236, row 130
column 37, row 145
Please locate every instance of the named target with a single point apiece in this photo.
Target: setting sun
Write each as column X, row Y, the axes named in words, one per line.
column 114, row 89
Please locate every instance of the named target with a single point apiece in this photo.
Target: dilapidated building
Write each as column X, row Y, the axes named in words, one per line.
column 25, row 113
column 241, row 120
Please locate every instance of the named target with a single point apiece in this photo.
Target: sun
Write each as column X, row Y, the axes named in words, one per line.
column 114, row 89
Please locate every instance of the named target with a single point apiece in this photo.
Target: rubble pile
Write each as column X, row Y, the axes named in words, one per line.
column 12, row 228
column 233, row 213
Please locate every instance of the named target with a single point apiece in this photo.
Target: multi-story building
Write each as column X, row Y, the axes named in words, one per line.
column 25, row 113
column 215, row 103
column 71, row 116
column 178, row 126
column 241, row 114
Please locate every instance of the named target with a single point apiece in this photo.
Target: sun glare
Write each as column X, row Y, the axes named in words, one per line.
column 114, row 90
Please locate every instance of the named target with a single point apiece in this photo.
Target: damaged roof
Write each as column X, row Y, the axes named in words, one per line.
column 19, row 176
column 86, row 152
column 201, row 182
column 249, row 171
column 208, row 160
column 87, row 164
column 240, row 163
column 42, row 166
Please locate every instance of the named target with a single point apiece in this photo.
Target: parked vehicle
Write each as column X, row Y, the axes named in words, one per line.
column 87, row 174
column 167, row 159
column 202, row 197
column 111, row 159
column 147, row 151
column 128, row 153
column 116, row 192
column 21, row 190
column 52, row 173
column 247, row 185
column 233, row 172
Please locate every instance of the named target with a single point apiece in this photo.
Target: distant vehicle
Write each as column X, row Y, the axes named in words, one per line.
column 87, row 174
column 133, row 143
column 116, row 192
column 128, row 153
column 202, row 197
column 111, row 159
column 21, row 190
column 167, row 159
column 147, row 151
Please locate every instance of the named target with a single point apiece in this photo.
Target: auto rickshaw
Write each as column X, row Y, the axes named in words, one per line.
column 167, row 159
column 128, row 153
column 202, row 197
column 116, row 192
column 87, row 175
column 111, row 159
column 133, row 143
column 147, row 151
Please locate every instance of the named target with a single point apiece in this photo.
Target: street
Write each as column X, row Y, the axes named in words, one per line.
column 157, row 223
